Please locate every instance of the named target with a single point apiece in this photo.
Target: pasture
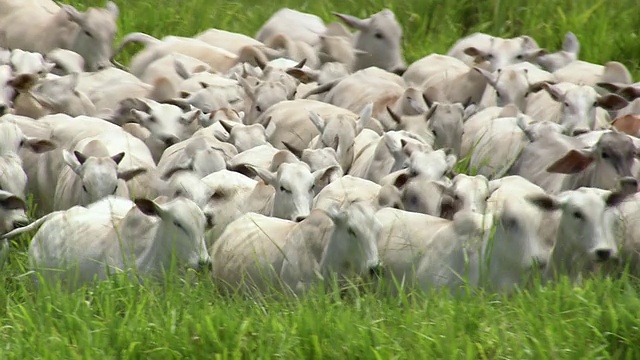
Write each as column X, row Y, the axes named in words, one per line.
column 187, row 318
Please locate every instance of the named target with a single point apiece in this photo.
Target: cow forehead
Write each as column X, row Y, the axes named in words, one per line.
column 293, row 173
column 581, row 94
column 616, row 143
column 101, row 19
column 588, row 200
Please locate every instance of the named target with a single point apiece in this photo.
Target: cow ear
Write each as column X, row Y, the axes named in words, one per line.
column 189, row 117
column 13, row 202
column 572, row 162
column 544, row 202
column 113, row 9
column 612, row 102
column 553, row 91
column 327, row 174
column 474, row 51
column 269, row 178
column 629, row 124
column 148, row 207
column 401, row 180
column 491, row 79
column 117, row 158
column 71, row 160
column 130, row 174
column 352, row 21
column 74, row 14
column 39, row 146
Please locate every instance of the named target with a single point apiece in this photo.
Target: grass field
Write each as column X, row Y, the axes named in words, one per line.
column 187, row 319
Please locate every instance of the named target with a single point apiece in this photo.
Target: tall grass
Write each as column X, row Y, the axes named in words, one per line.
column 189, row 319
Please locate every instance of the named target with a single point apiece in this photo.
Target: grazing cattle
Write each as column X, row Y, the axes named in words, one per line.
column 257, row 252
column 12, row 212
column 379, row 37
column 345, row 190
column 428, row 252
column 568, row 54
column 512, row 84
column 43, row 26
column 82, row 244
column 585, row 73
column 297, row 25
column 230, row 41
column 558, row 162
column 29, row 63
column 91, row 174
column 479, row 48
column 12, row 140
column 167, row 124
column 585, row 236
column 295, row 186
column 65, row 61
column 579, row 108
column 53, row 96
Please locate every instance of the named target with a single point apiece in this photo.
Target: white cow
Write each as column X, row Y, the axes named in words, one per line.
column 12, row 140
column 558, row 162
column 79, row 245
column 585, row 234
column 298, row 25
column 497, row 52
column 91, row 174
column 578, row 107
column 43, row 26
column 12, row 216
column 257, row 252
column 379, row 37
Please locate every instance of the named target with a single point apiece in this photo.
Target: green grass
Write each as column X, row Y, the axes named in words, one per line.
column 189, row 319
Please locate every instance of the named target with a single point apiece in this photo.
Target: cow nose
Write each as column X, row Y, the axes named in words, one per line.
column 101, row 67
column 399, row 70
column 4, row 109
column 300, row 218
column 170, row 140
column 603, row 255
column 539, row 263
column 20, row 223
column 577, row 132
column 376, row 270
column 204, row 264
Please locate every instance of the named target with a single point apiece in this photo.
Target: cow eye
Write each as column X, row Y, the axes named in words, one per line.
column 566, row 104
column 351, row 232
column 595, row 104
column 578, row 215
column 489, row 56
column 258, row 108
column 178, row 225
column 498, row 94
column 435, row 133
column 178, row 193
column 152, row 118
column 84, row 188
column 283, row 189
column 21, row 143
column 378, row 35
column 605, row 155
column 88, row 34
column 114, row 190
column 520, row 57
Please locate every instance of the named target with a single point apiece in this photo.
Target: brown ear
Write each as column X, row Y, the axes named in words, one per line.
column 401, row 180
column 572, row 162
column 628, row 124
column 147, row 207
column 13, row 203
column 612, row 102
column 630, row 92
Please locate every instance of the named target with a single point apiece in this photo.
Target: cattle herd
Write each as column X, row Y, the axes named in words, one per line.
column 312, row 151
